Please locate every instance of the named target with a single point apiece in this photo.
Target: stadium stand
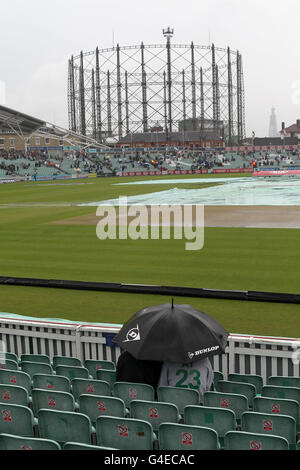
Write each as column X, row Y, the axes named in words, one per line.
column 56, row 412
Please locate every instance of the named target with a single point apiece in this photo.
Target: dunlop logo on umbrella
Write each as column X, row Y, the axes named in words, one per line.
column 133, row 335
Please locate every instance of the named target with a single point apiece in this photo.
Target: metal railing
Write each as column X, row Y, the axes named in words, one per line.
column 247, row 354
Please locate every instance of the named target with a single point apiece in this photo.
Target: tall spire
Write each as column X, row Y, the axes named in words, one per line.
column 273, row 130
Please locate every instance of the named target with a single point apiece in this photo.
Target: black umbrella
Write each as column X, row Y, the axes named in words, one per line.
column 174, row 333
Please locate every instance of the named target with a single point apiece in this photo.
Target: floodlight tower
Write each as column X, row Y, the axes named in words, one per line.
column 169, row 33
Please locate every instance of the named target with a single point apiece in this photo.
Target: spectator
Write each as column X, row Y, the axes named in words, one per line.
column 133, row 370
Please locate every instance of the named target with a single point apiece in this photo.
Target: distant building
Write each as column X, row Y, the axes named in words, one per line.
column 273, row 129
column 291, row 131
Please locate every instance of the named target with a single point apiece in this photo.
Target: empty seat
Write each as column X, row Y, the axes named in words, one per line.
column 180, row 397
column 66, row 361
column 14, row 395
column 10, row 442
column 253, row 379
column 35, row 358
column 64, row 426
column 17, row 420
column 52, row 400
column 11, row 356
column 94, row 406
column 239, row 388
column 274, row 391
column 129, row 391
column 124, row 433
column 108, row 376
column 231, row 401
column 284, row 381
column 9, row 365
column 58, row 383
column 154, row 412
column 15, row 378
column 89, row 387
column 32, row 368
column 217, row 376
column 240, row 440
column 93, row 365
column 72, row 372
column 220, row 419
column 278, row 406
column 184, row 437
column 270, row 424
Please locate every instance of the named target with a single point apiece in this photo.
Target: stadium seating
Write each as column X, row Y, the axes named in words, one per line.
column 19, row 378
column 181, row 397
column 16, row 420
column 154, row 412
column 59, row 383
column 14, row 395
column 219, row 419
column 255, row 380
column 64, row 426
column 12, row 442
column 93, row 365
column 52, row 400
column 32, row 368
column 231, row 401
column 94, row 406
column 239, row 440
column 274, row 391
column 240, row 388
column 278, row 406
column 124, row 433
column 217, row 376
column 270, row 424
column 35, row 358
column 129, row 391
column 184, row 437
column 89, row 387
column 66, row 361
column 76, row 446
column 284, row 381
column 72, row 372
column 108, row 376
column 9, row 365
column 11, row 356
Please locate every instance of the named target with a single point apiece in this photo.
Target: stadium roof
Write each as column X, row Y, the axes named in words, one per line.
column 17, row 121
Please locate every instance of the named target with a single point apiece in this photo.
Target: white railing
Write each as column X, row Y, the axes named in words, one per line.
column 264, row 356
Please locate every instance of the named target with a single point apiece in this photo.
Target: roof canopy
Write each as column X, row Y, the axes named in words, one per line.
column 18, row 122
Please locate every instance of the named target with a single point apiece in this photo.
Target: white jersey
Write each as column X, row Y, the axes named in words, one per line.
column 197, row 375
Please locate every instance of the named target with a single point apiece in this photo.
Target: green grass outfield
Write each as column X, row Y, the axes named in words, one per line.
column 232, row 258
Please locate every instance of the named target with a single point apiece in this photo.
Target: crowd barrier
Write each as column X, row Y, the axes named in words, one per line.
column 244, row 354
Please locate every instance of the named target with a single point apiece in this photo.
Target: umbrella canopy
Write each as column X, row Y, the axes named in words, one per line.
column 173, row 333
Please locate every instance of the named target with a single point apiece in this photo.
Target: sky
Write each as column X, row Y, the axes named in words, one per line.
column 37, row 38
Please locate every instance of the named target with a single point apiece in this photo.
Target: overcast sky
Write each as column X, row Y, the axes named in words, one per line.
column 37, row 38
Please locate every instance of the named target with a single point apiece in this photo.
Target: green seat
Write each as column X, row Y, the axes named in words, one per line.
column 239, row 440
column 52, row 400
column 54, row 382
column 76, row 446
column 32, row 368
column 11, row 356
column 16, row 378
column 14, row 395
column 154, row 412
column 184, row 437
column 129, row 391
column 270, row 424
column 9, row 365
column 231, row 401
column 108, row 376
column 66, row 361
column 90, row 387
column 274, row 391
column 239, row 388
column 9, row 442
column 17, row 420
column 284, row 381
column 278, row 406
column 219, row 419
column 180, row 397
column 35, row 358
column 253, row 379
column 124, row 433
column 64, row 426
column 94, row 406
column 93, row 365
column 72, row 372
column 217, row 376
